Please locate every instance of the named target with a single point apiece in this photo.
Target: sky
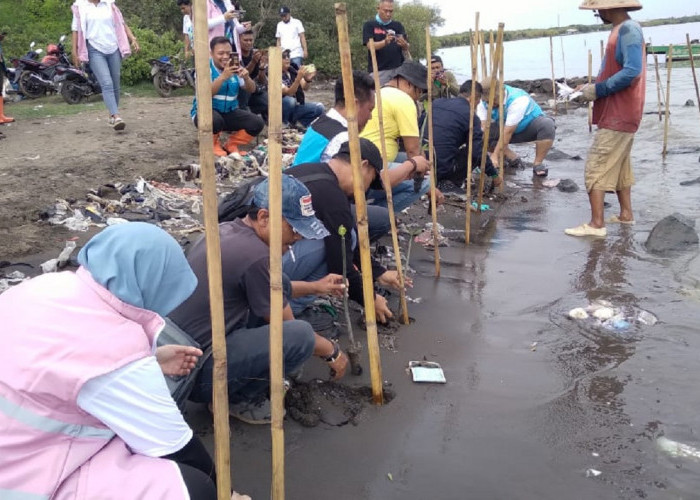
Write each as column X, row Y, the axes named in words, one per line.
column 520, row 14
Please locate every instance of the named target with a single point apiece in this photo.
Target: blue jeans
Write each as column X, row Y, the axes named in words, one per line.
column 303, row 113
column 298, row 61
column 248, row 361
column 309, row 264
column 107, row 69
column 403, row 194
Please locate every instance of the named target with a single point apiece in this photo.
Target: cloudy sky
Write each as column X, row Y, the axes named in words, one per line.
column 520, row 14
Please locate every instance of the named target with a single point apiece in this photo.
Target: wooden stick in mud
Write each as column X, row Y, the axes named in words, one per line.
column 487, row 123
column 590, row 104
column 669, row 66
column 276, row 298
column 554, row 82
column 375, row 365
column 492, row 50
column 501, row 115
column 659, row 87
column 692, row 67
column 387, row 184
column 563, row 65
column 474, row 52
column 222, row 434
column 431, row 156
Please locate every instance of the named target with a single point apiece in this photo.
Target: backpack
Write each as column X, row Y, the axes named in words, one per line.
column 235, row 204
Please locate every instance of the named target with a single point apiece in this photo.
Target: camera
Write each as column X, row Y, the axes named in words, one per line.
column 234, row 61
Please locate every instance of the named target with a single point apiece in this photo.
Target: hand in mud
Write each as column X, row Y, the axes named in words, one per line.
column 381, row 309
column 392, row 279
column 439, row 197
column 339, row 366
column 331, row 284
column 177, row 360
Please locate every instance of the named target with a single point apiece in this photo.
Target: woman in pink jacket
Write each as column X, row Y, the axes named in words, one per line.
column 101, row 38
column 84, row 408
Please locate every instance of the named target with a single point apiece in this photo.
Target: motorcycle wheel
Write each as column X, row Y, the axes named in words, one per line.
column 30, row 88
column 163, row 88
column 71, row 93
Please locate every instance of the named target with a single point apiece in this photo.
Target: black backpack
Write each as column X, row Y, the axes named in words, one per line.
column 235, row 204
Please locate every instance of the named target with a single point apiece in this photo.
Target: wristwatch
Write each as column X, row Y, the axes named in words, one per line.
column 334, row 356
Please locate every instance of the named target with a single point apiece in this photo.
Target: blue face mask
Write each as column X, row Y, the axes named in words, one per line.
column 140, row 264
column 379, row 20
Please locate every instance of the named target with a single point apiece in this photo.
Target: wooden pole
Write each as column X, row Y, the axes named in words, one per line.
column 276, row 298
column 487, row 124
column 501, row 116
column 590, row 104
column 387, row 185
column 659, row 87
column 484, row 67
column 554, row 84
column 473, row 50
column 375, row 365
column 431, row 156
column 563, row 65
column 492, row 50
column 222, row 434
column 602, row 52
column 669, row 65
column 692, row 67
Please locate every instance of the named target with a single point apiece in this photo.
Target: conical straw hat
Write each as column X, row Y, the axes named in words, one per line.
column 610, row 4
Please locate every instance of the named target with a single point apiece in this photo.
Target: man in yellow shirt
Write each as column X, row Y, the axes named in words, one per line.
column 399, row 96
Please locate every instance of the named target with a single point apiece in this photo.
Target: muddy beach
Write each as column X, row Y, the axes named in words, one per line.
column 536, row 405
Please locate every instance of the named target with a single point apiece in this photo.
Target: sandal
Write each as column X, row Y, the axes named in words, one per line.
column 540, row 170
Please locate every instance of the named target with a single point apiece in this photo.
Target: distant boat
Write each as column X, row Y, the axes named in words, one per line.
column 680, row 51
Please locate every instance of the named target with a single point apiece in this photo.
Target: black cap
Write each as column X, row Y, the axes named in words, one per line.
column 435, row 58
column 414, row 72
column 284, row 10
column 369, row 152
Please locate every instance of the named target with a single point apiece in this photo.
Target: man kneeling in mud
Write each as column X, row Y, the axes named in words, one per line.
column 245, row 263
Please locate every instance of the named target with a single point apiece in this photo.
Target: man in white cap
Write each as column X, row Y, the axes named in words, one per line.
column 618, row 96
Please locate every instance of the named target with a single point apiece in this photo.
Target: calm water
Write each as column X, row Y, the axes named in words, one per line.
column 530, row 59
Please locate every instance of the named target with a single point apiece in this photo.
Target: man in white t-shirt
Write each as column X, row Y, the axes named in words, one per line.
column 290, row 36
column 187, row 27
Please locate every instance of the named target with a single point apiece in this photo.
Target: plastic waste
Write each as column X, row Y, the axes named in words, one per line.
column 604, row 313
column 578, row 313
column 11, row 279
column 646, row 318
column 677, row 449
column 53, row 265
column 566, row 93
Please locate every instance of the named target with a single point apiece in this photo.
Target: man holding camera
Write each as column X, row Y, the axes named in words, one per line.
column 389, row 38
column 444, row 82
column 255, row 61
column 228, row 77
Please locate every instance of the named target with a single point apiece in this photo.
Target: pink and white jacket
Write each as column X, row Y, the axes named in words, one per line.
column 59, row 331
column 122, row 39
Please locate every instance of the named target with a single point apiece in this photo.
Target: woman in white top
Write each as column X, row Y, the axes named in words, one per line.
column 101, row 38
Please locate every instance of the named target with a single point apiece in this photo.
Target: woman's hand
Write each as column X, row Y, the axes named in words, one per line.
column 177, row 360
column 135, row 45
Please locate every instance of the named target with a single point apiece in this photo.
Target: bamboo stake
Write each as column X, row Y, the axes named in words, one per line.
column 473, row 50
column 375, row 366
column 222, row 433
column 484, row 67
column 487, row 124
column 563, row 65
column 590, row 104
column 276, row 298
column 692, row 67
column 492, row 50
column 602, row 52
column 501, row 115
column 431, row 156
column 387, row 185
column 554, row 84
column 669, row 66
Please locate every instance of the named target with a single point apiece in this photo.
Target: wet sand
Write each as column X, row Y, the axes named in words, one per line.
column 533, row 400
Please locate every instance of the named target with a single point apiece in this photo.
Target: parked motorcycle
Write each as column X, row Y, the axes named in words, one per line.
column 166, row 77
column 18, row 65
column 38, row 77
column 76, row 84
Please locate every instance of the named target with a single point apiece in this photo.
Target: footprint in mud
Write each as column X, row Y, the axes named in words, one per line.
column 314, row 402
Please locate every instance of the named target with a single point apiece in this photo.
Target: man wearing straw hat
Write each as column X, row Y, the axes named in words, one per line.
column 524, row 121
column 618, row 105
column 245, row 263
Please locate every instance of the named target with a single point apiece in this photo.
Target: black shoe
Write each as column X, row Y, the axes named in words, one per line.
column 447, row 186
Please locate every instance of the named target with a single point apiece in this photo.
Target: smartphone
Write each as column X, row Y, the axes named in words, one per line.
column 234, row 61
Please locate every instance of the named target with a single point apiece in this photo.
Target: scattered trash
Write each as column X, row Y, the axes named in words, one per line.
column 566, row 93
column 427, row 371
column 389, row 475
column 533, row 346
column 611, row 317
column 417, row 300
column 53, row 265
column 484, row 206
column 593, row 473
column 11, row 279
column 676, row 449
column 550, row 183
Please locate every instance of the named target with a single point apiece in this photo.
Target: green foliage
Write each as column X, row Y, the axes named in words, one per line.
column 415, row 17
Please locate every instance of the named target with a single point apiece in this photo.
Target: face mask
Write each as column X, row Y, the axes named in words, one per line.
column 379, row 20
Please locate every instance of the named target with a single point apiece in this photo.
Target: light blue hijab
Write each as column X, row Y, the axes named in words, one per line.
column 141, row 264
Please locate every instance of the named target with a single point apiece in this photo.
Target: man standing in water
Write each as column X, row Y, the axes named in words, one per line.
column 618, row 96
